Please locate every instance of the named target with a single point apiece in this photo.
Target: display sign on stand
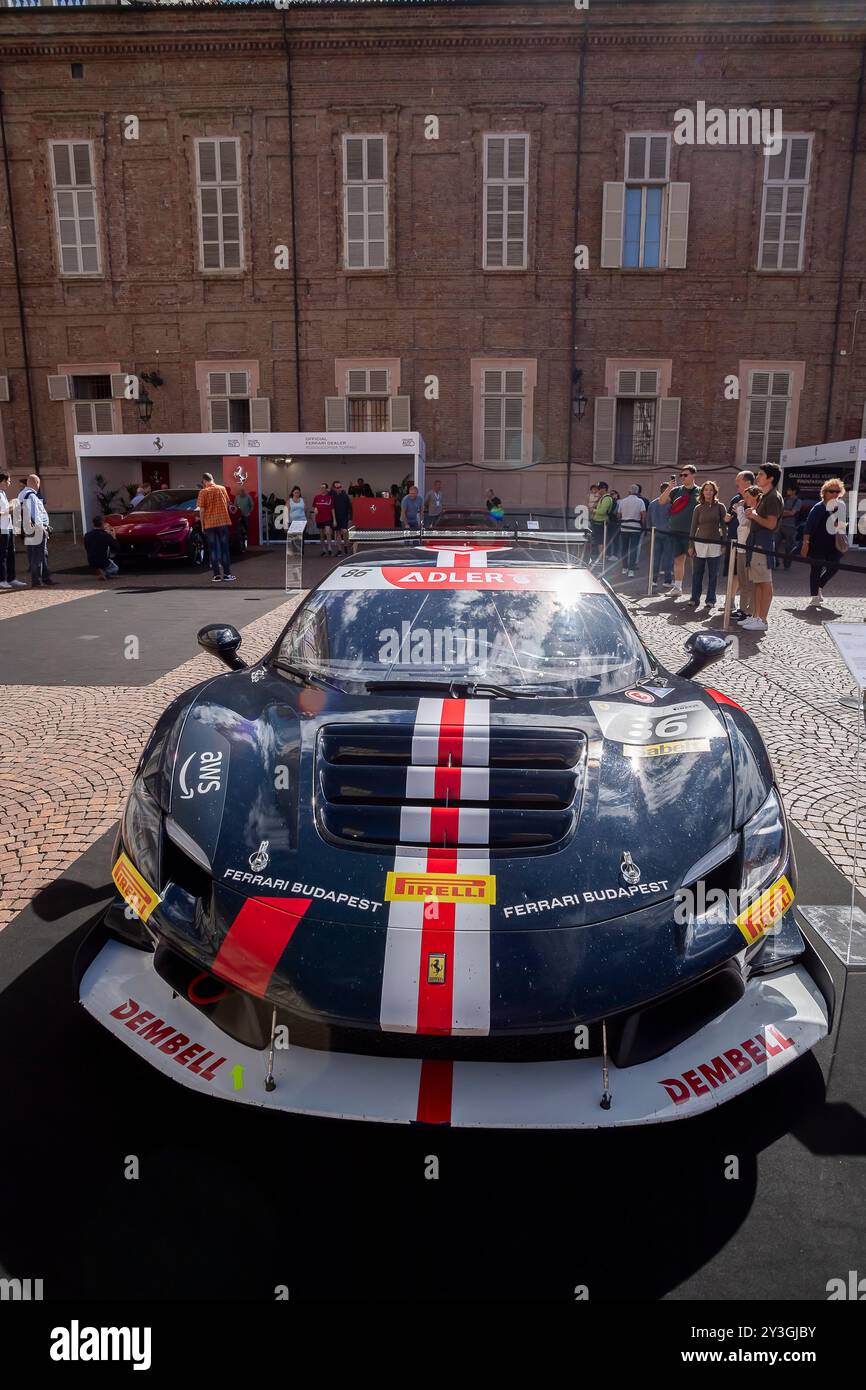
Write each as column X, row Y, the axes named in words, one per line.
column 295, row 556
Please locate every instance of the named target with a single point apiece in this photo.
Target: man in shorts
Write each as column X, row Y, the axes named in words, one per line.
column 342, row 515
column 323, row 510
column 766, row 517
column 683, row 500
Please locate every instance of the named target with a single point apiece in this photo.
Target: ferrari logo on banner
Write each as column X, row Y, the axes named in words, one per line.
column 134, row 889
column 766, row 910
column 436, row 968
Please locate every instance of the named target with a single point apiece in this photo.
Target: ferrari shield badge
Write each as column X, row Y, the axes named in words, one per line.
column 629, row 869
column 436, row 968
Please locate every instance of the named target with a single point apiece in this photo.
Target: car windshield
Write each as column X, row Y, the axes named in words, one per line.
column 555, row 633
column 168, row 502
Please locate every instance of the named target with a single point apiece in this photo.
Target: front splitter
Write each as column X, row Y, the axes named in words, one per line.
column 778, row 1019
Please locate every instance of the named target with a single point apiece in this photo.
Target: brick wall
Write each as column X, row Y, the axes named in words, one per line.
column 478, row 68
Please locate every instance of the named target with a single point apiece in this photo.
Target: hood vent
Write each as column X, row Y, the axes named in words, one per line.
column 370, row 794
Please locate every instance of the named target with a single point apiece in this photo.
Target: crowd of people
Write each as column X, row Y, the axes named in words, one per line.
column 689, row 519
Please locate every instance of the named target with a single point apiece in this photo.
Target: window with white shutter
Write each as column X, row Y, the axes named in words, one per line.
column 218, row 188
column 769, row 405
column 365, row 202
column 783, row 213
column 367, row 398
column 229, row 402
column 503, row 404
column 506, row 199
column 645, row 218
column 75, row 212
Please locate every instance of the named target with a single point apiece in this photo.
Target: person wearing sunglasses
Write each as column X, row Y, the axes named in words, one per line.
column 683, row 499
column 819, row 540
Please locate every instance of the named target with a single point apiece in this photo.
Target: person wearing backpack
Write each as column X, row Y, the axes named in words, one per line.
column 598, row 516
column 683, row 500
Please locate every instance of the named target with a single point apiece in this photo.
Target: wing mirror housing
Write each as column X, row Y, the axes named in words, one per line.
column 704, row 648
column 222, row 641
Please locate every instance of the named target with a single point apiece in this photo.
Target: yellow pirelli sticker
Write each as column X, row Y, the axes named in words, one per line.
column 443, row 888
column 134, row 889
column 766, row 910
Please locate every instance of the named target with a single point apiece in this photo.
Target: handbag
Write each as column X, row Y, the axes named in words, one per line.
column 841, row 542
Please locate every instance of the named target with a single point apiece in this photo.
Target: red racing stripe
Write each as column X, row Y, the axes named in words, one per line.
column 446, row 783
column 436, row 1001
column 451, row 733
column 434, row 1092
column 445, row 825
column 256, row 939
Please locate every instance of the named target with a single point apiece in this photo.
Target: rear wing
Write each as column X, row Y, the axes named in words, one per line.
column 426, row 535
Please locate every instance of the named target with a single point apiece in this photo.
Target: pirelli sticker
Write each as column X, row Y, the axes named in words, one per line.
column 766, row 910
column 446, row 888
column 134, row 889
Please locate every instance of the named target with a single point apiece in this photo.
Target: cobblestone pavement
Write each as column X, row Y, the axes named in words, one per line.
column 69, row 754
column 63, row 777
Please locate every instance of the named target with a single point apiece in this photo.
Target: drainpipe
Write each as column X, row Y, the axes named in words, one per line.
column 574, row 273
column 21, row 319
column 286, row 46
column 841, row 286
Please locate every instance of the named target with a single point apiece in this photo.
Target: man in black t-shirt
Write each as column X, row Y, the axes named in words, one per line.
column 342, row 515
column 99, row 545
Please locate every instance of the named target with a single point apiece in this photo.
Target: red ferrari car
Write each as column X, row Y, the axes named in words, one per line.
column 166, row 525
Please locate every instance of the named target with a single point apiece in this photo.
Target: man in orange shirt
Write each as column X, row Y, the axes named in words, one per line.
column 213, row 508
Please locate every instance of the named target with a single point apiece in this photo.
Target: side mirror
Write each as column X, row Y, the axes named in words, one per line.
column 222, row 640
column 705, row 647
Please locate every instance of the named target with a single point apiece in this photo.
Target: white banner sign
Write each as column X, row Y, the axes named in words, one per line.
column 850, row 638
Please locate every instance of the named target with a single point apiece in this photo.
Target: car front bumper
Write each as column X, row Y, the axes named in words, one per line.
column 778, row 1018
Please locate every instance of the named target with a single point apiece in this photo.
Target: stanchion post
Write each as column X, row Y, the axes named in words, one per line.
column 729, row 587
column 603, row 546
column 652, row 551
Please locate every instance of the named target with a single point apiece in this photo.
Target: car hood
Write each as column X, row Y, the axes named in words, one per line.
column 594, row 808
column 150, row 521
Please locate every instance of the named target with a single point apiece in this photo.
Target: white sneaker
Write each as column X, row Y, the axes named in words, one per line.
column 754, row 625
column 4, row 585
column 675, row 589
column 17, row 584
column 821, row 595
column 814, row 602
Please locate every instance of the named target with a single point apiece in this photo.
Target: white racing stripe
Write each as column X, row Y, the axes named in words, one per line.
column 450, row 764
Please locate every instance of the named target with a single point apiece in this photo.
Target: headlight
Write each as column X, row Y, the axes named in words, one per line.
column 176, row 530
column 765, row 844
column 141, row 832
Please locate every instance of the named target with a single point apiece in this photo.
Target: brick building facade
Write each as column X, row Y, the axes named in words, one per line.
column 424, row 275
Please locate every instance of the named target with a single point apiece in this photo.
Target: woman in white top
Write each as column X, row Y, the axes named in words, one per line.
column 297, row 506
column 706, row 538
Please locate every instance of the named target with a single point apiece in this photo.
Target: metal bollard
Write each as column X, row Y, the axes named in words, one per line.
column 729, row 588
column 652, row 549
column 603, row 546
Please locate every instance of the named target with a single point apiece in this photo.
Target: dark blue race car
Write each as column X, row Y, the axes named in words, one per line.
column 458, row 850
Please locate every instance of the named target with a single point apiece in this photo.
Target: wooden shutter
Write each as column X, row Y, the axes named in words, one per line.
column 82, row 414
column 4, row 387
column 378, row 381
column 336, row 420
column 217, row 384
column 260, row 415
column 678, row 226
column 356, row 381
column 626, row 383
column 603, row 428
column 612, row 222
column 668, row 436
column 218, row 416
column 239, row 384
column 118, row 386
column 398, row 413
column 59, row 388
column 103, row 417
column 648, row 383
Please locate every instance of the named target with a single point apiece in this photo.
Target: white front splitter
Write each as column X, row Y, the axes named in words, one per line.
column 778, row 1019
